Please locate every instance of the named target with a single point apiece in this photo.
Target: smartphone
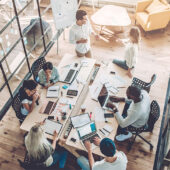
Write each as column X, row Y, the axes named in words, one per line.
column 108, row 115
column 73, row 139
column 112, row 72
column 50, row 117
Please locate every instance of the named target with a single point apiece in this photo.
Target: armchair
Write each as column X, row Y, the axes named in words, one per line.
column 152, row 14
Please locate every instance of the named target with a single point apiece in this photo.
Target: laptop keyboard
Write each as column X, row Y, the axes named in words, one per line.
column 69, row 75
column 48, row 107
column 90, row 137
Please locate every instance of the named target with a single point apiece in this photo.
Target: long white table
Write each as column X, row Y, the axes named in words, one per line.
column 84, row 73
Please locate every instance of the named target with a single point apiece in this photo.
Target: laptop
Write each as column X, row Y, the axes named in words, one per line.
column 103, row 98
column 88, row 132
column 69, row 74
column 48, row 107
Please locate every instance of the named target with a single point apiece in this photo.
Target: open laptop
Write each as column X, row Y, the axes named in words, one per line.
column 88, row 132
column 103, row 98
column 68, row 74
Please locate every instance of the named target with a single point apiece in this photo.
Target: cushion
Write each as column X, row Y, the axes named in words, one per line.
column 156, row 6
column 142, row 17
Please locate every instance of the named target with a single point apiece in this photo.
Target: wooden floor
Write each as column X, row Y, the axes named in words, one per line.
column 154, row 58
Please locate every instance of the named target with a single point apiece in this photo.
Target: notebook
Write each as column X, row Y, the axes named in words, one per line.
column 53, row 92
column 51, row 126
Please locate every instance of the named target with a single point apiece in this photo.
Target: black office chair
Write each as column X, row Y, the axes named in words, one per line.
column 37, row 66
column 143, row 85
column 16, row 105
column 27, row 165
column 153, row 117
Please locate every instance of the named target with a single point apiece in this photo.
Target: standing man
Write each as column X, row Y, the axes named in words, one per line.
column 80, row 34
column 113, row 160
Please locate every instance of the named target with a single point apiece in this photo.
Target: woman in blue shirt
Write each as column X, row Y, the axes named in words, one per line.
column 49, row 75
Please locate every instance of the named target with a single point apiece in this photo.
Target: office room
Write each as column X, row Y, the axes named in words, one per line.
column 84, row 84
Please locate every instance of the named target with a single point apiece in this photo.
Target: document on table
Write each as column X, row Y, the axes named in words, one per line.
column 99, row 114
column 80, row 120
column 51, row 126
column 53, row 92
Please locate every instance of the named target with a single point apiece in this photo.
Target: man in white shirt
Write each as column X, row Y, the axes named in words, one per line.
column 113, row 160
column 80, row 34
column 135, row 113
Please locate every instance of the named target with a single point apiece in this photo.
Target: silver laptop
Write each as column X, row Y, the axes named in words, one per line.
column 69, row 74
column 88, row 132
column 103, row 98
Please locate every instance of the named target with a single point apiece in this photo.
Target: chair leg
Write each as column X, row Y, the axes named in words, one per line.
column 131, row 143
column 151, row 146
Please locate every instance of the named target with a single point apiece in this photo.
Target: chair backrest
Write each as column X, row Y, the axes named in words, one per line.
column 16, row 105
column 154, row 115
column 37, row 66
column 143, row 85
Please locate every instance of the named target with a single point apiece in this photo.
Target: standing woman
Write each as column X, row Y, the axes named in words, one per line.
column 28, row 96
column 41, row 152
column 48, row 75
column 131, row 52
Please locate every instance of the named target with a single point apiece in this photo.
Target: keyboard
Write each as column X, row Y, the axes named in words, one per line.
column 48, row 107
column 90, row 137
column 69, row 75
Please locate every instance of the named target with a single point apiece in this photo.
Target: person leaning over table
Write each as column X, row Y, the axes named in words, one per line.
column 48, row 75
column 135, row 114
column 41, row 152
column 113, row 160
column 131, row 52
column 28, row 96
column 80, row 34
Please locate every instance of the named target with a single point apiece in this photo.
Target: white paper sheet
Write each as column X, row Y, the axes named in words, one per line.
column 99, row 114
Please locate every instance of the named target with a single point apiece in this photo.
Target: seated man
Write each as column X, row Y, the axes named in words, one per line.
column 48, row 75
column 135, row 113
column 113, row 159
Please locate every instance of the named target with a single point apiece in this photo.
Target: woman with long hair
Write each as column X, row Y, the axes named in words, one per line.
column 28, row 96
column 41, row 152
column 131, row 52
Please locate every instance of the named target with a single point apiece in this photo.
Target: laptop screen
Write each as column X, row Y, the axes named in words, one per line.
column 103, row 95
column 87, row 129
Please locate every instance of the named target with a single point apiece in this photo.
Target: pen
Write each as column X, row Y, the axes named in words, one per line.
column 102, row 132
column 69, row 96
column 106, row 130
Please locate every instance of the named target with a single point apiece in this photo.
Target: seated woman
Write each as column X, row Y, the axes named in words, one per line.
column 28, row 96
column 41, row 152
column 48, row 76
column 131, row 52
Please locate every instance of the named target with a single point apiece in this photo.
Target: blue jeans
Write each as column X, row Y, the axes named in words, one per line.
column 83, row 163
column 61, row 156
column 121, row 130
column 121, row 64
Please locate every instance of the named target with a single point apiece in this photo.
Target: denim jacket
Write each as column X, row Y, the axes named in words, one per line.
column 53, row 79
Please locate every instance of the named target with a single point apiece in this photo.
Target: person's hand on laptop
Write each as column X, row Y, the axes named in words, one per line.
column 96, row 141
column 112, row 106
column 87, row 145
column 116, row 99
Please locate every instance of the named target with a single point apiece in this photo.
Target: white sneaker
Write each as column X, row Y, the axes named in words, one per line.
column 123, row 137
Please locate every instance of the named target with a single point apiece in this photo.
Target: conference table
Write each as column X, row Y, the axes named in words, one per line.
column 35, row 116
column 94, row 107
column 84, row 97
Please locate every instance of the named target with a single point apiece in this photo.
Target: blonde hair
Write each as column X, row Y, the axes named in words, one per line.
column 38, row 147
column 134, row 33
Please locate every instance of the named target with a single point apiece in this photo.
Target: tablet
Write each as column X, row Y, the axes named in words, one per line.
column 51, row 126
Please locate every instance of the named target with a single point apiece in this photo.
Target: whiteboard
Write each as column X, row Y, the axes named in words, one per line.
column 64, row 12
